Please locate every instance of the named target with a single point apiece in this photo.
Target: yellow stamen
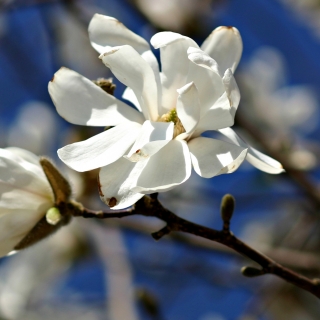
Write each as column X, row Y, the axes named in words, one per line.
column 172, row 116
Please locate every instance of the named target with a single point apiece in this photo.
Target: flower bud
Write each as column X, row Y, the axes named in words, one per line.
column 53, row 216
column 252, row 272
column 227, row 207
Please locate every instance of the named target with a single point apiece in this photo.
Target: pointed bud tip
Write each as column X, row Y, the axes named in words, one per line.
column 59, row 184
column 227, row 207
column 252, row 272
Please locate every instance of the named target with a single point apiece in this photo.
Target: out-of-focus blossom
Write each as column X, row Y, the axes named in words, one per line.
column 285, row 113
column 279, row 106
column 307, row 11
column 176, row 15
column 25, row 196
column 34, row 129
column 153, row 149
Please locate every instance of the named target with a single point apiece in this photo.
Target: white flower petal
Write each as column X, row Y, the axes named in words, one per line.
column 224, row 45
column 129, row 95
column 174, row 65
column 148, row 150
column 255, row 157
column 128, row 66
column 25, row 155
column 101, row 149
column 212, row 157
column 166, row 169
column 150, row 131
column 202, row 59
column 188, row 106
column 209, row 84
column 165, row 38
column 14, row 226
column 80, row 101
column 105, row 32
column 116, row 182
column 19, row 174
column 25, row 196
column 232, row 91
column 217, row 117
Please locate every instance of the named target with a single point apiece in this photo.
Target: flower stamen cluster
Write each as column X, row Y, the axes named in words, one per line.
column 172, row 116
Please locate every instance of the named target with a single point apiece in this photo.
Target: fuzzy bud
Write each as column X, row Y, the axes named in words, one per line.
column 227, row 207
column 252, row 272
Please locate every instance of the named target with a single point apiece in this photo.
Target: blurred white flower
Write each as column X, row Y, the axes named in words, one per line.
column 25, row 196
column 177, row 15
column 34, row 129
column 153, row 150
column 285, row 113
column 282, row 108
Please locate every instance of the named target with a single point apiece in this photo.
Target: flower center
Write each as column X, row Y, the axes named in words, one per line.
column 172, row 116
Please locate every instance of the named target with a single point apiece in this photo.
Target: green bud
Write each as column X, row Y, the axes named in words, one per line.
column 252, row 272
column 227, row 207
column 53, row 216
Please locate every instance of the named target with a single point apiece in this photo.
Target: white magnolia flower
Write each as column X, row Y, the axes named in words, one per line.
column 25, row 196
column 153, row 149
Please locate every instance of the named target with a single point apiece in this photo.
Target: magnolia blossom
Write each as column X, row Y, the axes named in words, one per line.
column 25, row 196
column 153, row 148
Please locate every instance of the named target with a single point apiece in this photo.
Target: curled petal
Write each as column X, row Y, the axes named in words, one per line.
column 80, row 101
column 101, row 149
column 255, row 157
column 129, row 67
column 202, row 59
column 232, row 91
column 116, row 182
column 206, row 78
column 224, row 45
column 217, row 117
column 188, row 106
column 166, row 169
column 212, row 157
column 106, row 32
column 174, row 63
column 151, row 131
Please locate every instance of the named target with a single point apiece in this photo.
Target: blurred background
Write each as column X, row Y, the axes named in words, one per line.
column 114, row 270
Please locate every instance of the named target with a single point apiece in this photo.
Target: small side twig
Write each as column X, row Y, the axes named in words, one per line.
column 151, row 207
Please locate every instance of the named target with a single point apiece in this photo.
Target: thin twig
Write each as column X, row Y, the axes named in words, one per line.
column 151, row 207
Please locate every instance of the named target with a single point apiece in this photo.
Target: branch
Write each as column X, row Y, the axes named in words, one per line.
column 298, row 260
column 151, row 207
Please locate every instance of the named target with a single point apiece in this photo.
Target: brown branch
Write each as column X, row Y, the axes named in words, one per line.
column 87, row 213
column 298, row 260
column 151, row 207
